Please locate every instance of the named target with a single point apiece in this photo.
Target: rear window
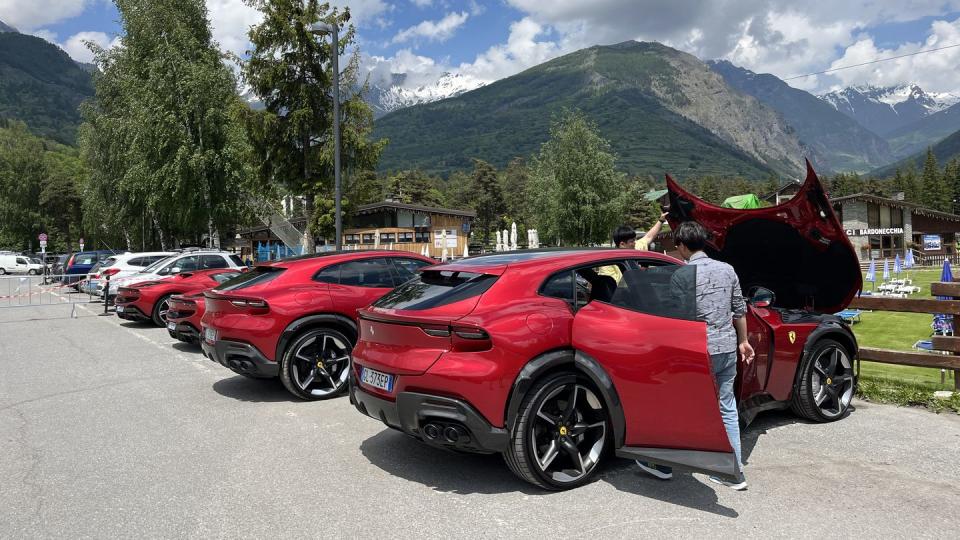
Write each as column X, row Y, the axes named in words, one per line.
column 109, row 261
column 434, row 288
column 237, row 261
column 258, row 276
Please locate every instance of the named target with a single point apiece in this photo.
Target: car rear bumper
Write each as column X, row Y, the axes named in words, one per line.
column 241, row 358
column 436, row 420
column 184, row 332
column 132, row 313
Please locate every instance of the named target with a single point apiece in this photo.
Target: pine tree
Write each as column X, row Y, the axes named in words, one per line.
column 936, row 193
column 487, row 198
column 514, row 180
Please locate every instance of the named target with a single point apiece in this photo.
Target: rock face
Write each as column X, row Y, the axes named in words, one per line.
column 836, row 141
column 662, row 111
column 886, row 109
column 701, row 95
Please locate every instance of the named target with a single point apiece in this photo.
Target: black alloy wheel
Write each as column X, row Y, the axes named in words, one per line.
column 317, row 364
column 827, row 383
column 560, row 435
column 160, row 310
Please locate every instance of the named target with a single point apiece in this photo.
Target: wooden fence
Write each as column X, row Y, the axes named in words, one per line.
column 929, row 306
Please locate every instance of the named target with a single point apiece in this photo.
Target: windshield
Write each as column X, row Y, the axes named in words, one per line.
column 156, row 266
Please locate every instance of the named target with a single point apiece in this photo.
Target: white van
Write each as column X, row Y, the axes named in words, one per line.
column 18, row 264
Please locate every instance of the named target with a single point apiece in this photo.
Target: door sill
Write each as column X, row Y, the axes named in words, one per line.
column 721, row 464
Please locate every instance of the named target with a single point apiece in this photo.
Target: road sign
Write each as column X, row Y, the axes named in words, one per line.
column 43, row 237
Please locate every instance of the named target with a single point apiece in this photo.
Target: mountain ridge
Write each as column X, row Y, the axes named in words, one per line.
column 662, row 110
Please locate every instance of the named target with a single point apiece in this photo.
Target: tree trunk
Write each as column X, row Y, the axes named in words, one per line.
column 163, row 240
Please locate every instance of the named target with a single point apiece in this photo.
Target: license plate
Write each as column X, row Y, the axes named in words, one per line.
column 172, row 326
column 119, row 309
column 210, row 335
column 376, row 379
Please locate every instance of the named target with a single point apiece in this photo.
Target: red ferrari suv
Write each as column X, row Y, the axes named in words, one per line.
column 150, row 300
column 297, row 318
column 557, row 358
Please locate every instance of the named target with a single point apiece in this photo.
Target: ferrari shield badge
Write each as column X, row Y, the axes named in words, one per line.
column 792, row 336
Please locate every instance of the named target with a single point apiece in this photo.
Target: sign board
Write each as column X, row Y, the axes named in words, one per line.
column 870, row 232
column 42, row 237
column 81, row 244
column 451, row 238
column 932, row 242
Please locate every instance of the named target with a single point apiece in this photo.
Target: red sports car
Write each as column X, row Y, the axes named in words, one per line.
column 183, row 316
column 297, row 318
column 150, row 300
column 556, row 358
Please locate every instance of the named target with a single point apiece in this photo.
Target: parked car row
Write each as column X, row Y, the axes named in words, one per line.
column 542, row 356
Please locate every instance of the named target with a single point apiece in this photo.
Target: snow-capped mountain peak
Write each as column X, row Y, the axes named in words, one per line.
column 385, row 99
column 885, row 108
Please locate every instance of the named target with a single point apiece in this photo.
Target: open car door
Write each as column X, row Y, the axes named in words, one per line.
column 649, row 343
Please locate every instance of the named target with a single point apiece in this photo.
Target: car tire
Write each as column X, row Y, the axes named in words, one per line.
column 2, row 271
column 316, row 365
column 160, row 310
column 32, row 272
column 826, row 383
column 547, row 436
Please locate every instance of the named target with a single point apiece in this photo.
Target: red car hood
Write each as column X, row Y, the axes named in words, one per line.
column 798, row 249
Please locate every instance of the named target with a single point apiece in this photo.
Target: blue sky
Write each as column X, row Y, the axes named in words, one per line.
column 485, row 40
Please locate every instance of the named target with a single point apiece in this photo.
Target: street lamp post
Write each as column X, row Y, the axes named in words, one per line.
column 333, row 30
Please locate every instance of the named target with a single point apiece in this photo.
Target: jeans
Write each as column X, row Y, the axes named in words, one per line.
column 725, row 373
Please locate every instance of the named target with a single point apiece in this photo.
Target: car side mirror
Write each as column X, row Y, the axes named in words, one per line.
column 762, row 297
column 175, row 270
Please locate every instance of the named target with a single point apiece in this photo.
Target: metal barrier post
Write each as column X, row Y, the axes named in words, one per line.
column 106, row 295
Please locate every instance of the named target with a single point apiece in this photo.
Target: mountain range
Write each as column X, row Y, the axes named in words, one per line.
column 386, row 97
column 661, row 109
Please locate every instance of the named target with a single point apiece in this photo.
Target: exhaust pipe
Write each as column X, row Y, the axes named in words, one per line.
column 451, row 434
column 431, row 431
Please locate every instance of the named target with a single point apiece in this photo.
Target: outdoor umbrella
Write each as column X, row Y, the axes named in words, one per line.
column 886, row 270
column 908, row 260
column 943, row 324
column 376, row 239
column 897, row 267
column 872, row 273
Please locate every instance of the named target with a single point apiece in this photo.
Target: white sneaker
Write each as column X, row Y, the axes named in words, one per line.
column 654, row 470
column 737, row 486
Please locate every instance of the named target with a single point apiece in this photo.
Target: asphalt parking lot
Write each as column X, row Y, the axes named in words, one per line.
column 112, row 429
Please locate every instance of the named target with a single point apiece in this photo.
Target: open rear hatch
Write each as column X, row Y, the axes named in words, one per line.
column 798, row 249
column 408, row 329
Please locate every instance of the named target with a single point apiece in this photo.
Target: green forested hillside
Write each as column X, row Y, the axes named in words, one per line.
column 612, row 85
column 42, row 86
column 944, row 151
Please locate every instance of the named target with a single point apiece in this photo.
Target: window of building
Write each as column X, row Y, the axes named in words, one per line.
column 423, row 237
column 368, row 238
column 351, row 239
column 388, row 238
column 405, row 237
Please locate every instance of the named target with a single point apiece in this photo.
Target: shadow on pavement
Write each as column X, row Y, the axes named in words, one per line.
column 188, row 347
column 137, row 324
column 682, row 490
column 450, row 472
column 762, row 424
column 253, row 390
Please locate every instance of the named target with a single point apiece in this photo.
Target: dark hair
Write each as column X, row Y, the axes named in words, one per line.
column 624, row 233
column 692, row 234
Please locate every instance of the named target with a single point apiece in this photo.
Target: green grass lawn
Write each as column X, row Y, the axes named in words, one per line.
column 899, row 331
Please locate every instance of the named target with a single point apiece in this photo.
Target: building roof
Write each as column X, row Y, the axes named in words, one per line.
column 795, row 184
column 371, row 208
column 913, row 207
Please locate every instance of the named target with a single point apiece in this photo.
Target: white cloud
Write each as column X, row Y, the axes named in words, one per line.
column 934, row 71
column 76, row 45
column 28, row 15
column 421, row 3
column 45, row 34
column 441, row 30
column 521, row 51
column 230, row 21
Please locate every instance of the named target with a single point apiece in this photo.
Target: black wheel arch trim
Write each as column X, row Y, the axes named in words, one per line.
column 828, row 330
column 317, row 319
column 584, row 364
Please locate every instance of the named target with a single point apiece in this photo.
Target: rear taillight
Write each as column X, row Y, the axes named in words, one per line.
column 470, row 339
column 255, row 305
column 462, row 338
column 70, row 261
column 110, row 271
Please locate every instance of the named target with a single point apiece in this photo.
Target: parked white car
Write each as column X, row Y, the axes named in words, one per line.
column 181, row 262
column 19, row 264
column 121, row 266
